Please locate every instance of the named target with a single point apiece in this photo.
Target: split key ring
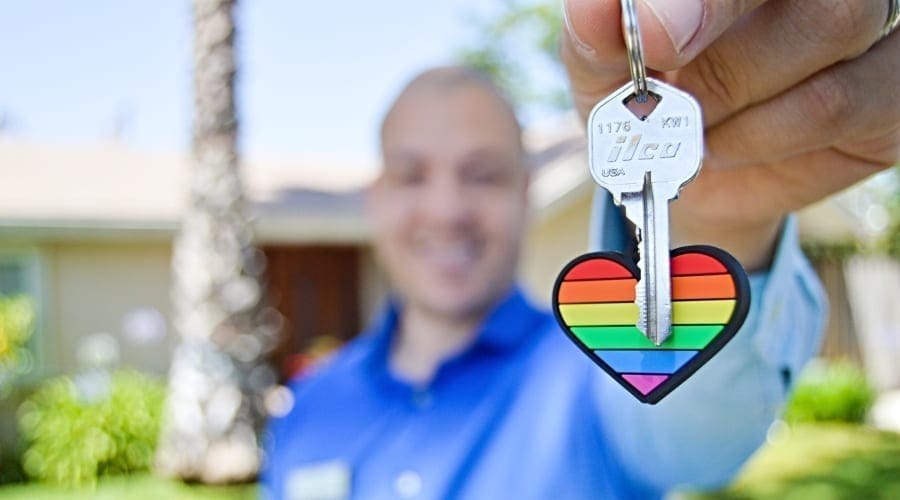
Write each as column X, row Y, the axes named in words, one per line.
column 636, row 65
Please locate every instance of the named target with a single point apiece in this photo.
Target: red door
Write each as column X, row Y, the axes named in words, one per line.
column 317, row 290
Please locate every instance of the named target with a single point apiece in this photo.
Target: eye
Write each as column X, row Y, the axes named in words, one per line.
column 410, row 176
column 484, row 175
column 485, row 171
column 405, row 173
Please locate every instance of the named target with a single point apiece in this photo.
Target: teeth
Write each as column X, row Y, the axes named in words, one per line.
column 457, row 253
column 453, row 254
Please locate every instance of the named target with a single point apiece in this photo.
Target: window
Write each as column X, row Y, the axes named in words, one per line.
column 20, row 274
column 12, row 277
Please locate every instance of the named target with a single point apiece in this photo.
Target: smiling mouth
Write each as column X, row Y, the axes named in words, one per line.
column 452, row 257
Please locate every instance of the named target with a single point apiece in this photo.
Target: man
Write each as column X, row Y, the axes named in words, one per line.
column 462, row 389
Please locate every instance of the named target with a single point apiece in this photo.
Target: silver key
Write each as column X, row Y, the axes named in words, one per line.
column 644, row 160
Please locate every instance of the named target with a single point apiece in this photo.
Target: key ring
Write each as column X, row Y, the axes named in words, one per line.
column 632, row 33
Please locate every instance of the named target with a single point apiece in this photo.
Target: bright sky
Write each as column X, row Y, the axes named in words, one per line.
column 315, row 75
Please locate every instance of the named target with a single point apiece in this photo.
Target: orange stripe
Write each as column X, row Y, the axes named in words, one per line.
column 573, row 292
column 714, row 286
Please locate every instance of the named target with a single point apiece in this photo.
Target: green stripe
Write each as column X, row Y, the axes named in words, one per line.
column 629, row 337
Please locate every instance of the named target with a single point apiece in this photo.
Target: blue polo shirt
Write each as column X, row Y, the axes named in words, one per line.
column 522, row 414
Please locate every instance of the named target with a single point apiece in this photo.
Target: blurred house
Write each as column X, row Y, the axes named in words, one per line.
column 88, row 232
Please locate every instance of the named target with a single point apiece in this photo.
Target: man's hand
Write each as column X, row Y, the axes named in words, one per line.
column 800, row 100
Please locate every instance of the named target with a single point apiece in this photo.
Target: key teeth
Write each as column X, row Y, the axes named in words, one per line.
column 640, row 295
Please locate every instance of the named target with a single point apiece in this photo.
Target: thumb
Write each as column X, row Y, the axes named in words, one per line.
column 673, row 32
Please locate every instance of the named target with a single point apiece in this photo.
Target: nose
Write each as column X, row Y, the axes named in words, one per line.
column 446, row 201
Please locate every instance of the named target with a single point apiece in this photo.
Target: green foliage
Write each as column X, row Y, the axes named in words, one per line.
column 819, row 251
column 77, row 430
column 891, row 241
column 835, row 392
column 519, row 47
column 820, row 461
column 17, row 317
column 11, row 466
column 132, row 487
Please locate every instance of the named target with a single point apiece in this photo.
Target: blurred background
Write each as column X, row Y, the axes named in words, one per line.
column 109, row 228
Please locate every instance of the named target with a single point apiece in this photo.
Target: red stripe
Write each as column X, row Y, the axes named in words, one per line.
column 598, row 269
column 696, row 263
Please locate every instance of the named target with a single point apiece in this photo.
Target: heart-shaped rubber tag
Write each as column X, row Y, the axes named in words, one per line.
column 594, row 303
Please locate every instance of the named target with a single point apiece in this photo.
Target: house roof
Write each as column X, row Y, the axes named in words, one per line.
column 109, row 190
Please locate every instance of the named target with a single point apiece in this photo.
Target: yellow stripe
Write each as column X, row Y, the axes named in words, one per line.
column 702, row 312
column 616, row 313
column 693, row 312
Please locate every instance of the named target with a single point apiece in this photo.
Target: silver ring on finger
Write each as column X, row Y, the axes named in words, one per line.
column 893, row 18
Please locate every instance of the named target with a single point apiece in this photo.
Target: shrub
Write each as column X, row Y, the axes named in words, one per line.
column 11, row 466
column 830, row 392
column 78, row 429
column 16, row 324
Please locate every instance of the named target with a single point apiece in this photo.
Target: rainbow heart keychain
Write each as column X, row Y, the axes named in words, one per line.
column 594, row 302
column 652, row 326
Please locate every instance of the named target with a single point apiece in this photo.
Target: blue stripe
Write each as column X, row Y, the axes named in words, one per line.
column 646, row 361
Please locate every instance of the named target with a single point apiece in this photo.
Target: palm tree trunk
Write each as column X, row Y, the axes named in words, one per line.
column 218, row 375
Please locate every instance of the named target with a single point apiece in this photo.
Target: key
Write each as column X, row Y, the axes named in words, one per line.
column 643, row 154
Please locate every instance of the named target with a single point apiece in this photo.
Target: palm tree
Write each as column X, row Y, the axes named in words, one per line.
column 218, row 374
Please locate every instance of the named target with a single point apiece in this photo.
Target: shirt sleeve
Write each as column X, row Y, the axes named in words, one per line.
column 701, row 433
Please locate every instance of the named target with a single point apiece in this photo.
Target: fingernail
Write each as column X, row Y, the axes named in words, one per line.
column 579, row 45
column 680, row 18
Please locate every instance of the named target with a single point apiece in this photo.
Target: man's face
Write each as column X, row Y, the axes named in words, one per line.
column 450, row 206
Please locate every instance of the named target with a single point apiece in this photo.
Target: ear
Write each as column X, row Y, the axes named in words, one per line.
column 371, row 194
column 527, row 169
column 526, row 186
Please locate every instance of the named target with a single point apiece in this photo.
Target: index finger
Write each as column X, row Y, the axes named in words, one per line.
column 673, row 32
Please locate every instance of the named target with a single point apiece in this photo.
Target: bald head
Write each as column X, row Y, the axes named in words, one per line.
column 443, row 83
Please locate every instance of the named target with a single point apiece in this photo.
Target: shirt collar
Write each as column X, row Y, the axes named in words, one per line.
column 507, row 325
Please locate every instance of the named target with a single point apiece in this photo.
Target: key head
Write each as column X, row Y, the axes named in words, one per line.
column 623, row 144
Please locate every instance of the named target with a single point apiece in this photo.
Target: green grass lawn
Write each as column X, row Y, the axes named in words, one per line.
column 822, row 462
column 816, row 462
column 138, row 487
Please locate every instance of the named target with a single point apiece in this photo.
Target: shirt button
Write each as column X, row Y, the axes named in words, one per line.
column 408, row 484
